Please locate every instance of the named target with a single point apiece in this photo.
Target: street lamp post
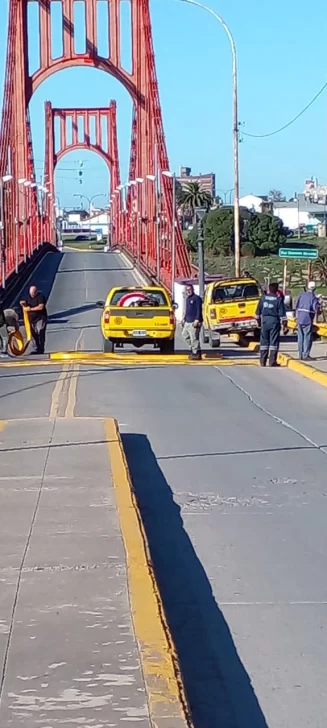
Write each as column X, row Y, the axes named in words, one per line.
column 200, row 212
column 3, row 180
column 235, row 133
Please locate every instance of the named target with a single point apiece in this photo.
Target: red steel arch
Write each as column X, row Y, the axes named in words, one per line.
column 94, row 129
column 149, row 234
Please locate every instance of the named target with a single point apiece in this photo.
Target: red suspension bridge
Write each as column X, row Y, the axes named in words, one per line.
column 141, row 210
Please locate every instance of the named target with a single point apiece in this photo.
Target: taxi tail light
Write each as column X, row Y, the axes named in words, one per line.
column 107, row 317
column 213, row 314
column 171, row 318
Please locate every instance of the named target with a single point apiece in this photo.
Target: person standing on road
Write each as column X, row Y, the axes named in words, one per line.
column 307, row 306
column 271, row 313
column 37, row 310
column 192, row 322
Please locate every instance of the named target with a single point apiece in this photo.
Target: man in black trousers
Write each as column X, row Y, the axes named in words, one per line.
column 271, row 312
column 35, row 305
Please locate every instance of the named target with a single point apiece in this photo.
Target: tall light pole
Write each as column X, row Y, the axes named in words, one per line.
column 3, row 180
column 90, row 199
column 235, row 133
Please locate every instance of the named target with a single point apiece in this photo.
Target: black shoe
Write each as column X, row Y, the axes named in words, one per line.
column 274, row 364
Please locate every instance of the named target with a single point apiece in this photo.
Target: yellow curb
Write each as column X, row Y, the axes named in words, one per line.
column 161, row 670
column 304, row 369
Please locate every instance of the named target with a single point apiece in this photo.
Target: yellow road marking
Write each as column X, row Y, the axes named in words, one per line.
column 158, row 655
column 99, row 360
column 3, row 424
column 55, row 399
column 71, row 398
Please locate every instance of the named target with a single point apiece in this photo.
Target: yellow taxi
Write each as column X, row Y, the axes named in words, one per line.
column 138, row 315
column 229, row 306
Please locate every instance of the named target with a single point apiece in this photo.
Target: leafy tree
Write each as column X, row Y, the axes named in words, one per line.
column 191, row 195
column 219, row 231
column 276, row 196
column 190, row 236
column 266, row 232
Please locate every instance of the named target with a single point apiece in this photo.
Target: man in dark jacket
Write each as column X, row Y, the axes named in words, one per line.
column 271, row 313
column 307, row 307
column 192, row 322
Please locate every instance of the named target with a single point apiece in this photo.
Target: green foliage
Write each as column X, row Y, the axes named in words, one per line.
column 249, row 250
column 266, row 232
column 219, row 231
column 191, row 195
column 190, row 236
column 319, row 267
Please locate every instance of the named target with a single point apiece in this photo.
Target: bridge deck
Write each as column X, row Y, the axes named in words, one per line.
column 229, row 471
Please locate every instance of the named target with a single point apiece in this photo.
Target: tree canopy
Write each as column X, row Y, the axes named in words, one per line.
column 261, row 233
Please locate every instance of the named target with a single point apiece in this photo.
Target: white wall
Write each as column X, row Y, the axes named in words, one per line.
column 291, row 218
column 252, row 202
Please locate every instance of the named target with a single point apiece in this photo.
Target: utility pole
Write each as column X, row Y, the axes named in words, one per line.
column 200, row 212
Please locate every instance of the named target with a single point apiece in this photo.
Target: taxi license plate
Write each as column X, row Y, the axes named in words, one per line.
column 139, row 333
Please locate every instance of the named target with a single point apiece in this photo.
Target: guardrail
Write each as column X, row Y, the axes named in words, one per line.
column 319, row 328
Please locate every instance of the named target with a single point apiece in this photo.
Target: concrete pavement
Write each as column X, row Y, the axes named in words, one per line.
column 229, row 471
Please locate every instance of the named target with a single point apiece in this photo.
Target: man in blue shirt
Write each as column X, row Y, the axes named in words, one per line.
column 192, row 322
column 307, row 306
column 271, row 312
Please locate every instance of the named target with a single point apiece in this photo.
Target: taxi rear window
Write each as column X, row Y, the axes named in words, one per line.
column 155, row 298
column 231, row 293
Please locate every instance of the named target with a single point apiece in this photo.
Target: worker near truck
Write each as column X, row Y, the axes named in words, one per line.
column 271, row 313
column 307, row 306
column 192, row 322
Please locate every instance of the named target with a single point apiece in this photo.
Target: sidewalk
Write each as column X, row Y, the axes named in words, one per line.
column 319, row 352
column 68, row 652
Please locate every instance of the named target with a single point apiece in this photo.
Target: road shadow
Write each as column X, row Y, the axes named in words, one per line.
column 217, row 685
column 73, row 311
column 43, row 277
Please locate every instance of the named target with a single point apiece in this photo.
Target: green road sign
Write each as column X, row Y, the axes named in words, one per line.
column 298, row 253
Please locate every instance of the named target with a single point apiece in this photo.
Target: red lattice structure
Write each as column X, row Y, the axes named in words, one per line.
column 146, row 210
column 94, row 129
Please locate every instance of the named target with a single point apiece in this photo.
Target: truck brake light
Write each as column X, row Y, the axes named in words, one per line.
column 171, row 318
column 213, row 313
column 107, row 317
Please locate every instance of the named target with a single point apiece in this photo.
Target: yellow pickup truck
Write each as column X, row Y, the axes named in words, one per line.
column 138, row 315
column 229, row 306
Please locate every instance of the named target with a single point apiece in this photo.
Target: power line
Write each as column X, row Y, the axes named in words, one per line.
column 277, row 131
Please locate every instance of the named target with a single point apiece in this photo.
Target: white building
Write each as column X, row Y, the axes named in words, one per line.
column 256, row 203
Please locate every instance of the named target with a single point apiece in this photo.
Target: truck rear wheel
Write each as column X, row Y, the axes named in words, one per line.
column 108, row 346
column 214, row 342
column 167, row 347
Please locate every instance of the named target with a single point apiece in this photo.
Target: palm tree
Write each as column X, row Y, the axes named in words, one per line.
column 190, row 196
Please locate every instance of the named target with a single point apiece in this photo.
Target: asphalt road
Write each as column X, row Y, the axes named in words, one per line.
column 229, row 467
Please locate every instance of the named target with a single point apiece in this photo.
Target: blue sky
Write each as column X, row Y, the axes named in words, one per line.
column 281, row 60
